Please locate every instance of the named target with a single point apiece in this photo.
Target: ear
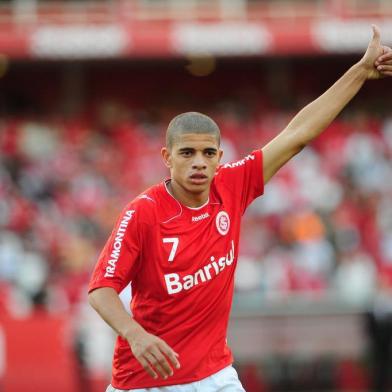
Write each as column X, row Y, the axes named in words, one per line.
column 166, row 157
column 220, row 154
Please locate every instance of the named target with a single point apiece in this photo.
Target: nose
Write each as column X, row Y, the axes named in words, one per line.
column 199, row 162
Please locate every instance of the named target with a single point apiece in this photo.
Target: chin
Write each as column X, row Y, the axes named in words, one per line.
column 196, row 189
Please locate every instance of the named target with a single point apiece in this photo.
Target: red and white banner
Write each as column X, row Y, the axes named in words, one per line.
column 170, row 39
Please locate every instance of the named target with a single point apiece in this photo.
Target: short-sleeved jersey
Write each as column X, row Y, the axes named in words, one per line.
column 181, row 263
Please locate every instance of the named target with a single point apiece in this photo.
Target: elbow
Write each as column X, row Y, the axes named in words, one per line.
column 299, row 142
column 300, row 147
column 100, row 296
column 298, row 138
column 92, row 299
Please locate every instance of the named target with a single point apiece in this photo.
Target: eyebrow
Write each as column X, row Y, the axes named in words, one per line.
column 209, row 149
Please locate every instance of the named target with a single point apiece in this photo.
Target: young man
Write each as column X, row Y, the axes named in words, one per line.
column 178, row 245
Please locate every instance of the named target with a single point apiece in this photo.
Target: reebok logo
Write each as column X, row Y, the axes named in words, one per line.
column 200, row 217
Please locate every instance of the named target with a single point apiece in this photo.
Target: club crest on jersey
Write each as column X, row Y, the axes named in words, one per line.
column 222, row 222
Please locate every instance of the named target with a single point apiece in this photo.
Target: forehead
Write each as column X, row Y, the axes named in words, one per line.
column 195, row 140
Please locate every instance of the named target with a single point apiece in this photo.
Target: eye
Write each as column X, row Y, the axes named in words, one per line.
column 210, row 153
column 186, row 154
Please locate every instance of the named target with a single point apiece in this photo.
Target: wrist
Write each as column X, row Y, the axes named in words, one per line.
column 362, row 67
column 131, row 331
column 365, row 70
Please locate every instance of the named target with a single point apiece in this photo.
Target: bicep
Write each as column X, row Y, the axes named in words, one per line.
column 279, row 151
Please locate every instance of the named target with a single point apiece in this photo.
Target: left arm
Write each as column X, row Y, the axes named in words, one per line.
column 316, row 116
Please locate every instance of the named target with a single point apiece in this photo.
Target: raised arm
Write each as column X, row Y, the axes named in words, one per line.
column 316, row 116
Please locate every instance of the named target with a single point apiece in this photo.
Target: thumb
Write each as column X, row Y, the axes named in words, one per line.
column 376, row 39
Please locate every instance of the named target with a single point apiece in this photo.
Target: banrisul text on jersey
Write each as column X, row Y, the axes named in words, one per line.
column 175, row 283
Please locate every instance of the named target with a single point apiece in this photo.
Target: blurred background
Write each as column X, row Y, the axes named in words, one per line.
column 87, row 89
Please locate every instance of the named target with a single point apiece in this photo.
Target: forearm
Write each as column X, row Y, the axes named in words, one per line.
column 316, row 116
column 154, row 355
column 108, row 305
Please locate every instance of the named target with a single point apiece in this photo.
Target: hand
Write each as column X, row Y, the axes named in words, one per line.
column 373, row 52
column 384, row 62
column 155, row 355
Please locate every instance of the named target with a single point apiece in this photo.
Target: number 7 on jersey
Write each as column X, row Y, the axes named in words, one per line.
column 174, row 241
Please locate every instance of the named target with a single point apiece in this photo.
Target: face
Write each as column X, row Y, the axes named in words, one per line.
column 192, row 160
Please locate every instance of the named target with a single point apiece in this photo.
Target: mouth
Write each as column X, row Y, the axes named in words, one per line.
column 198, row 178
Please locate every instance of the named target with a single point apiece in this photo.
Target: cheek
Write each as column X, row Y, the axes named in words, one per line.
column 179, row 168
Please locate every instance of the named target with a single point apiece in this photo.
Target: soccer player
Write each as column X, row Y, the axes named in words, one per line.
column 178, row 244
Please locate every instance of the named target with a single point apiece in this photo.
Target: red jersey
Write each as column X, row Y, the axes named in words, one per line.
column 181, row 263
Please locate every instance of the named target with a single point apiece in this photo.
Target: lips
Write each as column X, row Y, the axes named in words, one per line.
column 198, row 178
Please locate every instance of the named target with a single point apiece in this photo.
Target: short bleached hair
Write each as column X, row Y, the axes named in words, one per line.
column 191, row 122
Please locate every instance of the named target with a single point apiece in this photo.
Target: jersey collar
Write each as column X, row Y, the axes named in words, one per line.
column 175, row 209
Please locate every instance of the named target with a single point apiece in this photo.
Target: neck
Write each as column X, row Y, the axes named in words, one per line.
column 186, row 198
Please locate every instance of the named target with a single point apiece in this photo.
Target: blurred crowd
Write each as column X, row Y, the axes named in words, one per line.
column 325, row 219
column 325, row 223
